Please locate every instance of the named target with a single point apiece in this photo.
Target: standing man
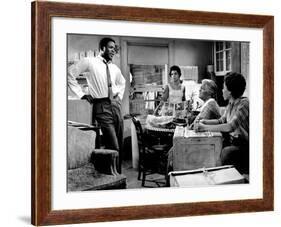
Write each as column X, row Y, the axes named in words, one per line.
column 106, row 89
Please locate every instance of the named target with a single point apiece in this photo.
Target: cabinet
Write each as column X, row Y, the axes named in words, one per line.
column 197, row 151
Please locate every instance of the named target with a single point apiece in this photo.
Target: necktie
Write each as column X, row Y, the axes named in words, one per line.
column 109, row 85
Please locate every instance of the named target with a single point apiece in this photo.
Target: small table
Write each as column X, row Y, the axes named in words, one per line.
column 195, row 150
column 152, row 128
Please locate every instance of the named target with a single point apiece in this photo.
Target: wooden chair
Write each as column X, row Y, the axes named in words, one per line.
column 152, row 157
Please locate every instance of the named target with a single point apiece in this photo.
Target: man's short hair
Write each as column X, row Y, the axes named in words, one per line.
column 104, row 41
column 235, row 83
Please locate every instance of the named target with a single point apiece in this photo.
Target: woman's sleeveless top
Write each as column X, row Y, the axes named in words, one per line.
column 175, row 95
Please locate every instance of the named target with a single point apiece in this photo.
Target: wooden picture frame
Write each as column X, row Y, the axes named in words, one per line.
column 42, row 13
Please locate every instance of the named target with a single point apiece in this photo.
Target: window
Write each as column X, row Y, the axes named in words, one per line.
column 222, row 57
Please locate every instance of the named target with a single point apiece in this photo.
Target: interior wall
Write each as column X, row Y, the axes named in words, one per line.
column 78, row 43
column 194, row 53
column 182, row 52
column 186, row 52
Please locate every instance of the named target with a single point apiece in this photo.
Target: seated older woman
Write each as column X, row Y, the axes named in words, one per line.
column 234, row 123
column 210, row 108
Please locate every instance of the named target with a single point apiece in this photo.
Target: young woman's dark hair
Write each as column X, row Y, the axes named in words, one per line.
column 175, row 68
column 235, row 83
column 103, row 42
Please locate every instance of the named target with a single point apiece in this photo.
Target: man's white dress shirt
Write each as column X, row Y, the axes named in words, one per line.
column 96, row 78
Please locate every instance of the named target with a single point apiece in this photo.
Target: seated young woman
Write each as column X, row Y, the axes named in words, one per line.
column 210, row 108
column 234, row 124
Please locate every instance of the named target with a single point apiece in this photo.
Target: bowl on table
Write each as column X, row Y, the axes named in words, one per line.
column 180, row 122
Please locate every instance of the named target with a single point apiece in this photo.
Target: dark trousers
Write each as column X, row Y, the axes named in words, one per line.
column 235, row 152
column 108, row 114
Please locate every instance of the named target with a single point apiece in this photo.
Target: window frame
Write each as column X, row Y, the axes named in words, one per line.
column 223, row 50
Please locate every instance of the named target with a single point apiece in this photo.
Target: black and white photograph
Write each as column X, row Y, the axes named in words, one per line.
column 144, row 113
column 140, row 113
column 155, row 112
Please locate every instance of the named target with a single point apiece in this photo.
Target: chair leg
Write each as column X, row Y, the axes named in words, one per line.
column 167, row 179
column 140, row 170
column 143, row 178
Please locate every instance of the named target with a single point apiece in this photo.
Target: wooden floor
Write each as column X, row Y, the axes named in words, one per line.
column 132, row 177
column 133, row 182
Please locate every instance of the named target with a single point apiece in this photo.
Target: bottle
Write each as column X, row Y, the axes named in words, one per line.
column 86, row 89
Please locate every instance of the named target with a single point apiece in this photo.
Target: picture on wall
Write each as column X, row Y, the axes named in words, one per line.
column 141, row 113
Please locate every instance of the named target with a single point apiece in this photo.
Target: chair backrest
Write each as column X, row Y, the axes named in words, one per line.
column 139, row 130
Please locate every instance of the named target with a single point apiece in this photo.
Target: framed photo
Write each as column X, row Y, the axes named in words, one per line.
column 56, row 31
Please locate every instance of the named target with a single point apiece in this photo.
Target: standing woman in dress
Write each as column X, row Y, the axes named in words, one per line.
column 174, row 90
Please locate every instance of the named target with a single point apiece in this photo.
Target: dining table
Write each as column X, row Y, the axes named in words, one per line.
column 163, row 135
column 160, row 135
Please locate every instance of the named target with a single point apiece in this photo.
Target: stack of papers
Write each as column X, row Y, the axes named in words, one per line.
column 179, row 131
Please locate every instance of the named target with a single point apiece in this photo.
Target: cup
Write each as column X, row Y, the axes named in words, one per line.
column 196, row 126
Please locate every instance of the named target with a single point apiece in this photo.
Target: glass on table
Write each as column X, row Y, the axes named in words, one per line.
column 196, row 125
